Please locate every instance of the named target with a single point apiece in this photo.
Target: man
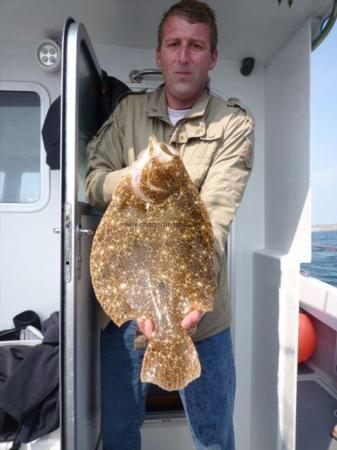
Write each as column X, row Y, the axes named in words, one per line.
column 214, row 140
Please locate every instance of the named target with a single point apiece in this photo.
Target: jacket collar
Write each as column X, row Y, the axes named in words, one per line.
column 157, row 106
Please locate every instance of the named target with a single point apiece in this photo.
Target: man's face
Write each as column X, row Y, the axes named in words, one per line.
column 185, row 58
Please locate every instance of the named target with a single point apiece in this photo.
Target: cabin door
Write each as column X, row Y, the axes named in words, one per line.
column 80, row 119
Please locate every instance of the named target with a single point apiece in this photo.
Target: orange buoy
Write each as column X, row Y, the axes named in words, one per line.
column 306, row 338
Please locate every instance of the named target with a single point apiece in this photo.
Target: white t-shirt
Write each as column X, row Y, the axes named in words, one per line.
column 177, row 114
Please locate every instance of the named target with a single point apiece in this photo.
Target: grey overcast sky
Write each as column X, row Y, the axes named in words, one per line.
column 324, row 131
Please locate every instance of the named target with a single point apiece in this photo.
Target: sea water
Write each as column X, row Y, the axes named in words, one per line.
column 324, row 257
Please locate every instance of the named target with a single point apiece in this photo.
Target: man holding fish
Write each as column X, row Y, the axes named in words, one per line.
column 214, row 141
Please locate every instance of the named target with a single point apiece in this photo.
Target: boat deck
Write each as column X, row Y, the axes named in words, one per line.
column 316, row 411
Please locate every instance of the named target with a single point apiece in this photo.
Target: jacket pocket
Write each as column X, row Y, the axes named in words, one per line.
column 208, row 144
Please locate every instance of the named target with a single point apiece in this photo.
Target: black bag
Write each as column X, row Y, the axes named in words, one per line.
column 11, row 356
column 29, row 394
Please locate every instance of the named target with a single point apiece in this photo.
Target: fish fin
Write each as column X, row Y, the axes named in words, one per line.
column 170, row 363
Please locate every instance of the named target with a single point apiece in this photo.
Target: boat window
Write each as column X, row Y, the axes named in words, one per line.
column 89, row 97
column 29, row 187
column 23, row 173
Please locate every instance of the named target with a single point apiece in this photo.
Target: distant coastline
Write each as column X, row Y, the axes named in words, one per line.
column 330, row 227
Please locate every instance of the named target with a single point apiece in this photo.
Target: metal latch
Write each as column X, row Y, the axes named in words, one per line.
column 67, row 242
column 85, row 232
column 80, row 232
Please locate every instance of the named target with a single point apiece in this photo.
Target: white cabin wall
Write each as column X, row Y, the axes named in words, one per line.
column 18, row 64
column 30, row 251
column 287, row 225
column 247, row 235
column 288, row 217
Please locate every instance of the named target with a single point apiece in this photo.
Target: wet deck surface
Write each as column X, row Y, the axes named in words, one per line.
column 315, row 416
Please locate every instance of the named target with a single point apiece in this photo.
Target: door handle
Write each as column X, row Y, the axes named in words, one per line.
column 84, row 232
column 80, row 230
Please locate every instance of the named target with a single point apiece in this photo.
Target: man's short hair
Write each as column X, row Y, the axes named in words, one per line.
column 193, row 11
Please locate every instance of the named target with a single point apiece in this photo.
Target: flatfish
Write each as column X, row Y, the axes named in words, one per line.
column 153, row 257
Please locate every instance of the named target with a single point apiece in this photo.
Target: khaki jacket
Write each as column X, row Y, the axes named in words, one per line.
column 215, row 143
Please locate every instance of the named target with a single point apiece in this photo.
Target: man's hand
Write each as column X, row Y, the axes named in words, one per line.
column 145, row 327
column 189, row 322
column 136, row 170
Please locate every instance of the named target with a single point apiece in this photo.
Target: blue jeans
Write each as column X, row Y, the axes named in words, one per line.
column 208, row 401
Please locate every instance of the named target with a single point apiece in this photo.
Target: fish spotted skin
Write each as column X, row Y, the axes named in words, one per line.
column 153, row 256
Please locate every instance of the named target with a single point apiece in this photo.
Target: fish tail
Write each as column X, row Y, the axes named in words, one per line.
column 170, row 363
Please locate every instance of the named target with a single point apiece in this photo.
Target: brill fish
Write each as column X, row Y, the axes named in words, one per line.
column 153, row 257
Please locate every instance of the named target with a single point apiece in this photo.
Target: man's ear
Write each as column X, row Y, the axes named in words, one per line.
column 158, row 58
column 214, row 59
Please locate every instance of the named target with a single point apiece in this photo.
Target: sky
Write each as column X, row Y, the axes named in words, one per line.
column 323, row 112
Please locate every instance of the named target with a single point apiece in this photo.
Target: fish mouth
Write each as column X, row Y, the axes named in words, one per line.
column 161, row 150
column 169, row 151
column 162, row 160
